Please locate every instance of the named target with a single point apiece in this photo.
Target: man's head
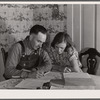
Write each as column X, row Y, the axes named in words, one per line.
column 38, row 36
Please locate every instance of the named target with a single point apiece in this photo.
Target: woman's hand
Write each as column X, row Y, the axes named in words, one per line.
column 67, row 70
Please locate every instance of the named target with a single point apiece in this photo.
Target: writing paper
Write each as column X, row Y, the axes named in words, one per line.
column 31, row 83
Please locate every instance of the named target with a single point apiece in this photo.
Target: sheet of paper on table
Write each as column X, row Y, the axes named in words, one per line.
column 34, row 83
column 55, row 88
column 30, row 83
column 78, row 81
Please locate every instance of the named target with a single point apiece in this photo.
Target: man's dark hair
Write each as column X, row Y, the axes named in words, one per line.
column 62, row 37
column 38, row 28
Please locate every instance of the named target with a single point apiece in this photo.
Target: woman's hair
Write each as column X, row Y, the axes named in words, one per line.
column 62, row 37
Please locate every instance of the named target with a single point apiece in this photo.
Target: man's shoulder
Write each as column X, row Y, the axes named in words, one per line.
column 16, row 46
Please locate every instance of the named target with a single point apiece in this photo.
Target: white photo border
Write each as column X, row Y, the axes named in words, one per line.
column 49, row 94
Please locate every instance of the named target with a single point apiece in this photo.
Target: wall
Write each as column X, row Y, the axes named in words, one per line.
column 82, row 25
column 17, row 19
column 89, row 26
column 98, row 27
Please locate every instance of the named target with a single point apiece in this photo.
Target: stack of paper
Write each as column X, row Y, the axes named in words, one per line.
column 56, row 88
column 57, row 83
column 78, row 81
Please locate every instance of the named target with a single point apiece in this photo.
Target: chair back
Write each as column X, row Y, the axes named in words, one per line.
column 4, row 55
column 91, row 59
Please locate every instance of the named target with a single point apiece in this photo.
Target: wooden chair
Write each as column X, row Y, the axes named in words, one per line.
column 4, row 56
column 91, row 59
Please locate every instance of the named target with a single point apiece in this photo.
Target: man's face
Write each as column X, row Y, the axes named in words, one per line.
column 37, row 40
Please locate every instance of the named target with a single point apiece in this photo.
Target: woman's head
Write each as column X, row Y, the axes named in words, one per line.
column 61, row 42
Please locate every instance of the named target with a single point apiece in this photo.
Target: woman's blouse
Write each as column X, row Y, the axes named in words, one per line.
column 60, row 61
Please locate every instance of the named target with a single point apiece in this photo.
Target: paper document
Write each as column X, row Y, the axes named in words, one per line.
column 78, row 81
column 55, row 88
column 76, row 75
column 30, row 83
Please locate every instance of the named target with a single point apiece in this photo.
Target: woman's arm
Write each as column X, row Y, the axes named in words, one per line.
column 74, row 60
column 75, row 66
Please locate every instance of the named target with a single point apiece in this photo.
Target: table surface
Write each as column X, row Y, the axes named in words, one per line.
column 11, row 83
column 96, row 80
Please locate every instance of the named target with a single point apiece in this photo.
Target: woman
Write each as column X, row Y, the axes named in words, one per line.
column 63, row 54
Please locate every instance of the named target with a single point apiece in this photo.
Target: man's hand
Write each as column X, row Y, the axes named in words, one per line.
column 36, row 74
column 39, row 74
column 24, row 74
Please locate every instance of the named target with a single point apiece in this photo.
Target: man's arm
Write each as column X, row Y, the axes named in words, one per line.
column 12, row 61
column 43, row 67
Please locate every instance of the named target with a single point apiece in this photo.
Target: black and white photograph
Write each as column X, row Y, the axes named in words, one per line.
column 49, row 46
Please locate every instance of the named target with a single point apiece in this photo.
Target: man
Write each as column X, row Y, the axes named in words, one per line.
column 27, row 58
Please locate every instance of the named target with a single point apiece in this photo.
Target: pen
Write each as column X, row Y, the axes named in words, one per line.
column 26, row 70
column 46, row 73
column 16, row 77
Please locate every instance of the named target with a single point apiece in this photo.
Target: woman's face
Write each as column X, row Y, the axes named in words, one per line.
column 60, row 47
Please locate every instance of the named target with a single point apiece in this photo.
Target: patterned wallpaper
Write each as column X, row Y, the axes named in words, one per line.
column 17, row 19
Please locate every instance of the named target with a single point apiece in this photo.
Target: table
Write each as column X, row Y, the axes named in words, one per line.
column 11, row 83
column 96, row 80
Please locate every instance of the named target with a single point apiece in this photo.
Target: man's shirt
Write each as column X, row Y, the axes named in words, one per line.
column 15, row 53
